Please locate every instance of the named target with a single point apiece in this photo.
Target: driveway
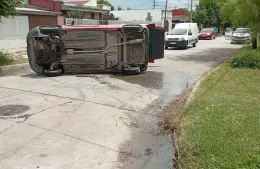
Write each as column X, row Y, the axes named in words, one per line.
column 100, row 121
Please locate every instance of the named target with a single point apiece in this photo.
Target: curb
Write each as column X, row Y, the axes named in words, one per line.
column 197, row 85
column 14, row 68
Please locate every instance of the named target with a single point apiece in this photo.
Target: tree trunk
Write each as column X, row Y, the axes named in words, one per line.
column 254, row 42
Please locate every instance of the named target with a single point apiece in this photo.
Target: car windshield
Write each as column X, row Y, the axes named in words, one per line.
column 242, row 30
column 178, row 32
column 228, row 30
column 206, row 30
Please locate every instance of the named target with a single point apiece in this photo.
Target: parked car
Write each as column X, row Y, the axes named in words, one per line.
column 182, row 35
column 228, row 33
column 207, row 33
column 55, row 50
column 242, row 35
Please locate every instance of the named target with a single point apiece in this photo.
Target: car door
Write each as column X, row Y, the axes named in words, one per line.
column 191, row 38
column 156, row 42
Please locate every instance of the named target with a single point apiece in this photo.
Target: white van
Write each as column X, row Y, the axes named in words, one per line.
column 182, row 35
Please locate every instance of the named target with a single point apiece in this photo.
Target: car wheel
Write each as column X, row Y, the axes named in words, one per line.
column 131, row 70
column 53, row 73
column 186, row 46
column 194, row 44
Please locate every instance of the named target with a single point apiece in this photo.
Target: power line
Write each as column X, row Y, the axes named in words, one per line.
column 191, row 2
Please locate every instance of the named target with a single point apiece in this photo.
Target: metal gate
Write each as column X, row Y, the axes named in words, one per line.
column 13, row 32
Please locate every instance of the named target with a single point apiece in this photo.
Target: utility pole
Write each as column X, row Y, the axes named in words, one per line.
column 165, row 12
column 191, row 4
column 153, row 4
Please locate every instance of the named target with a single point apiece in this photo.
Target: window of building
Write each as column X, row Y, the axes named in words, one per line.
column 92, row 15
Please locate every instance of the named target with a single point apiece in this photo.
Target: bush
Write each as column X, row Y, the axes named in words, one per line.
column 5, row 59
column 246, row 59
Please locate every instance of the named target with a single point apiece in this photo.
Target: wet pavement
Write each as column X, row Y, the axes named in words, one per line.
column 106, row 121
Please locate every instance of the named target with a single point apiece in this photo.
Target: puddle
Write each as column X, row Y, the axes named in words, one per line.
column 149, row 79
column 147, row 149
column 10, row 110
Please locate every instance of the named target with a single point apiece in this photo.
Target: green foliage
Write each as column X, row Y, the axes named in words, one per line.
column 7, row 7
column 246, row 59
column 208, row 13
column 109, row 17
column 101, row 3
column 244, row 13
column 5, row 59
column 76, row 14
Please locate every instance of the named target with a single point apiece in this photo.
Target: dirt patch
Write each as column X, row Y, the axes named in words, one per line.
column 10, row 110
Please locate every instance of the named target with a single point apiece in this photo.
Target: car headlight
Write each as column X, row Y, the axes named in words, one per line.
column 181, row 39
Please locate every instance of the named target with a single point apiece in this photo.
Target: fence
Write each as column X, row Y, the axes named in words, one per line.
column 69, row 21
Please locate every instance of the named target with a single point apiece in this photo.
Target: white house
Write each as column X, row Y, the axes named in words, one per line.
column 150, row 15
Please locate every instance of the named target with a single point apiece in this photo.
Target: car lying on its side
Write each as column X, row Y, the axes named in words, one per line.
column 241, row 35
column 207, row 33
column 57, row 50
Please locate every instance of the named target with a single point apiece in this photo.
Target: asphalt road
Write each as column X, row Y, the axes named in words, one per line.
column 100, row 122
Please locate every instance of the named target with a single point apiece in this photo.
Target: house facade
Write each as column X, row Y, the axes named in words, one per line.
column 179, row 16
column 41, row 12
column 145, row 16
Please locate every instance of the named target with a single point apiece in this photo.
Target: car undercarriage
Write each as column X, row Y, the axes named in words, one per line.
column 53, row 50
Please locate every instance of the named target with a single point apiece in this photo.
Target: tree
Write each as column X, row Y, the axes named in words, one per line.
column 208, row 14
column 245, row 13
column 7, row 7
column 101, row 3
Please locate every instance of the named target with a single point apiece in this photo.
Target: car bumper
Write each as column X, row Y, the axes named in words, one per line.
column 240, row 40
column 175, row 43
column 205, row 37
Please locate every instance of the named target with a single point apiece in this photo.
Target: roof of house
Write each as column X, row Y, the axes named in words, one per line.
column 72, row 7
column 34, row 11
column 79, row 3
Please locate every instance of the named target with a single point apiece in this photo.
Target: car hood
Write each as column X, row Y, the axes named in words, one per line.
column 241, row 34
column 176, row 36
column 204, row 33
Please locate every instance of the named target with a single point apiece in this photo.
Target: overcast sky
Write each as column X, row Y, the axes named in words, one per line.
column 148, row 4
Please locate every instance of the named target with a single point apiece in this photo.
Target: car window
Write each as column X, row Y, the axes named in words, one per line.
column 178, row 32
column 228, row 30
column 242, row 30
column 206, row 30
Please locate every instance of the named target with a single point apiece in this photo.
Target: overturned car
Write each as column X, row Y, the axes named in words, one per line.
column 58, row 50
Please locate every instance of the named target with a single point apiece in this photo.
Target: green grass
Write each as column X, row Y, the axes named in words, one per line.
column 7, row 59
column 221, row 128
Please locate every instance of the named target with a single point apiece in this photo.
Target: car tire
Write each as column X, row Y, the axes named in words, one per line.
column 186, row 46
column 194, row 44
column 53, row 73
column 131, row 70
